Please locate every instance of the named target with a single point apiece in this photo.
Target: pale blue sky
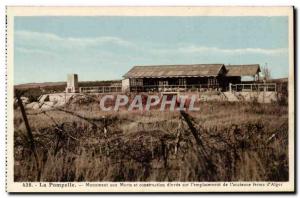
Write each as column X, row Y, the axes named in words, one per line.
column 105, row 48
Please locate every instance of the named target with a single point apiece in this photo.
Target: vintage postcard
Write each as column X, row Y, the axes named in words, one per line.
column 150, row 99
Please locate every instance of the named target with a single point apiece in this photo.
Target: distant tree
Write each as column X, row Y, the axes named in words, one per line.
column 266, row 73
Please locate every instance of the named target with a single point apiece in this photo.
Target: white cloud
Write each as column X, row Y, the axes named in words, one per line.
column 41, row 37
column 264, row 51
column 203, row 50
column 33, row 51
column 44, row 43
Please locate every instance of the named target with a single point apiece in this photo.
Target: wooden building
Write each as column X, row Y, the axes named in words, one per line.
column 197, row 77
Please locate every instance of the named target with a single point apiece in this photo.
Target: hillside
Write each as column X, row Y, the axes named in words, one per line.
column 34, row 90
column 63, row 84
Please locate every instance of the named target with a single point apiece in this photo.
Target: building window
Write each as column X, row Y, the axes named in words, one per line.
column 163, row 82
column 182, row 81
column 212, row 81
column 136, row 82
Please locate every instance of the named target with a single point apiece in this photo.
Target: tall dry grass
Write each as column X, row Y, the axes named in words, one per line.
column 243, row 142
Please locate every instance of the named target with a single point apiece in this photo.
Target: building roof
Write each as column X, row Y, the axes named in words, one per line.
column 161, row 71
column 242, row 70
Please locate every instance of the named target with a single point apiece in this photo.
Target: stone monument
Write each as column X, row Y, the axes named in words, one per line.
column 72, row 83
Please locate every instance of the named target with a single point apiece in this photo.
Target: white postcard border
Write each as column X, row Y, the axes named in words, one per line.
column 146, row 11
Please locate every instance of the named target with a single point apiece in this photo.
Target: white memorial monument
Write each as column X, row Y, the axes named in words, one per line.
column 72, row 83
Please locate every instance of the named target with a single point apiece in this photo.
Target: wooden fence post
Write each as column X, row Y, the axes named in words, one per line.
column 30, row 136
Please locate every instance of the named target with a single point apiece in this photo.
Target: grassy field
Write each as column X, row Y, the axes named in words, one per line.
column 240, row 142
